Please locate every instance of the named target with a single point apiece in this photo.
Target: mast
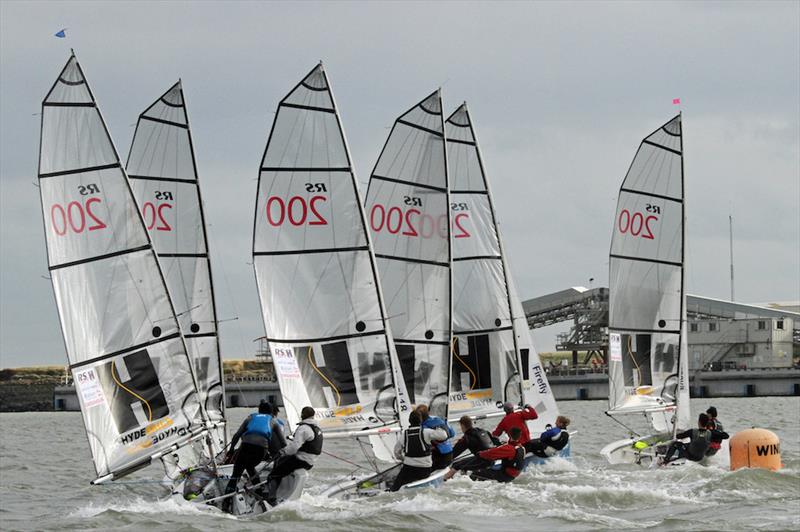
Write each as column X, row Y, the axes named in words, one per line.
column 163, row 171
column 408, row 207
column 730, row 227
column 129, row 362
column 316, row 273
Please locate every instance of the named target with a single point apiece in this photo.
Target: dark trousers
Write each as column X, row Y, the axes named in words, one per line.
column 491, row 474
column 440, row 461
column 682, row 451
column 409, row 474
column 248, row 457
column 536, row 447
column 284, row 466
column 471, row 463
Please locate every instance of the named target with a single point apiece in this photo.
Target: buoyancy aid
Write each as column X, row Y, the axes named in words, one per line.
column 415, row 445
column 260, row 424
column 698, row 444
column 478, row 440
column 312, row 446
column 556, row 443
column 513, row 467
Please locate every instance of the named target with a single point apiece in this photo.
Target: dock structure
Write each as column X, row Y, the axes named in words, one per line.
column 722, row 334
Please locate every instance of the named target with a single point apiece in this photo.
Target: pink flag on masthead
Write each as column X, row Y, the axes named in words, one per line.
column 676, row 101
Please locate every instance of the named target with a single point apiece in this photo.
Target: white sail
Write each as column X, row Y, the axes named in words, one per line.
column 316, row 273
column 163, row 173
column 493, row 342
column 647, row 310
column 129, row 362
column 408, row 210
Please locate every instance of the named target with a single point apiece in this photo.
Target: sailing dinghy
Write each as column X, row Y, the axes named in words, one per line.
column 163, row 172
column 132, row 372
column 648, row 355
column 408, row 210
column 493, row 344
column 317, row 279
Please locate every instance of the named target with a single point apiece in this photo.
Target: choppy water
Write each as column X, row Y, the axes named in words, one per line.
column 45, row 471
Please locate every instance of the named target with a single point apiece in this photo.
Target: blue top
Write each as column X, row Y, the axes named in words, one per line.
column 549, row 434
column 260, row 424
column 434, row 422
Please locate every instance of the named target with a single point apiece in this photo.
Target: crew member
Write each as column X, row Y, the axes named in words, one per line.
column 512, row 455
column 475, row 440
column 414, row 450
column 442, row 452
column 300, row 453
column 714, row 424
column 516, row 419
column 551, row 440
column 256, row 432
column 699, row 442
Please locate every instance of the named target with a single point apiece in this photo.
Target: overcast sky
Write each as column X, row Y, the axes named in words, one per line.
column 561, row 94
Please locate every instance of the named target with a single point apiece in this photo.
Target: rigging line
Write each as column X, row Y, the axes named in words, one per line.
column 335, row 389
column 474, row 377
column 372, row 462
column 149, row 409
column 624, row 425
column 345, row 460
column 630, row 354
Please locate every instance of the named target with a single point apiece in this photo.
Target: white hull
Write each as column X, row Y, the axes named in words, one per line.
column 625, row 452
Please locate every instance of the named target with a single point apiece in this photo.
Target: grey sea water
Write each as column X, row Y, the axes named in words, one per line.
column 45, row 471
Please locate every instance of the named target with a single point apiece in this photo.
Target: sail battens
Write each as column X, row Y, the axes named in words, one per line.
column 98, row 257
column 310, row 251
column 478, row 257
column 420, row 342
column 421, row 128
column 165, row 122
column 654, row 331
column 666, row 148
column 326, row 339
column 308, row 108
column 132, row 348
column 409, row 183
column 651, row 195
column 69, row 104
column 170, row 104
column 306, row 169
column 200, row 335
column 459, row 141
column 479, row 192
column 483, row 331
column 410, row 259
column 188, row 181
column 183, row 255
column 81, row 170
column 646, row 259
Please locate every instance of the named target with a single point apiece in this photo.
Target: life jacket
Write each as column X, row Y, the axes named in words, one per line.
column 414, row 445
column 478, row 440
column 442, row 447
column 312, row 446
column 698, row 445
column 260, row 424
column 556, row 443
column 513, row 467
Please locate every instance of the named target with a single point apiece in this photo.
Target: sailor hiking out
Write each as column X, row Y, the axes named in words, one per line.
column 516, row 419
column 414, row 450
column 261, row 435
column 442, row 451
column 551, row 440
column 699, row 442
column 512, row 456
column 714, row 424
column 475, row 440
column 300, row 453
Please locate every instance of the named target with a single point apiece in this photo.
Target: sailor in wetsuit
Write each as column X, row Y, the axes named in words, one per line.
column 301, row 453
column 699, row 441
column 714, row 424
column 259, row 433
column 512, row 455
column 551, row 440
column 414, row 449
column 442, row 451
column 475, row 440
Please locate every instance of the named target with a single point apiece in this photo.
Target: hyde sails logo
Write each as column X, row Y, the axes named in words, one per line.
column 134, row 393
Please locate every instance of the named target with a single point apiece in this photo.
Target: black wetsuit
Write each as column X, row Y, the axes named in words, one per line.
column 699, row 443
column 476, row 440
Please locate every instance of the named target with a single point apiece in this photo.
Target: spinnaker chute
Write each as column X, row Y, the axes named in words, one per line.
column 132, row 373
column 316, row 274
column 163, row 172
column 648, row 356
column 493, row 343
column 408, row 210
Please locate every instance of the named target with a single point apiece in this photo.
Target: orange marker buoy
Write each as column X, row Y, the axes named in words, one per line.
column 758, row 448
